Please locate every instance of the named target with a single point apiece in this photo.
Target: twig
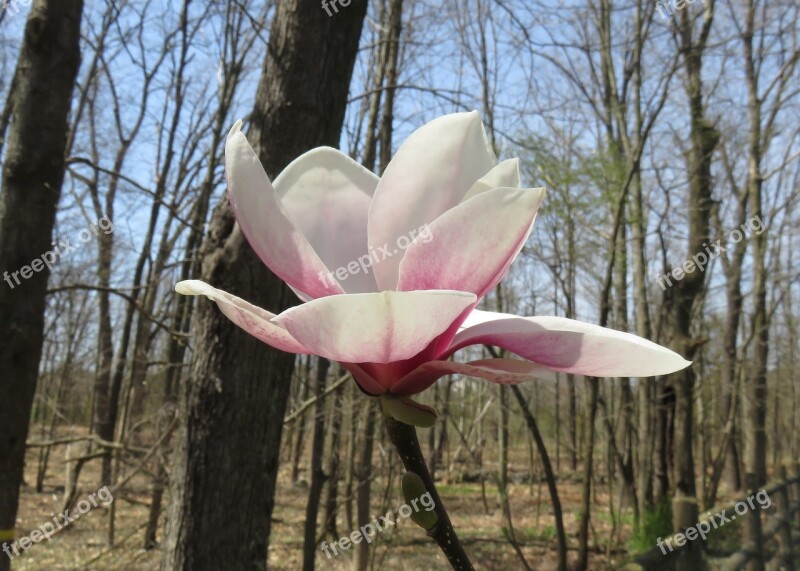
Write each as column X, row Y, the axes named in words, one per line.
column 404, row 438
column 91, row 437
column 113, row 490
column 549, row 476
column 303, row 407
column 109, row 549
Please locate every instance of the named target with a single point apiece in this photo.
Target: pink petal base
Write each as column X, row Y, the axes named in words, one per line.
column 501, row 371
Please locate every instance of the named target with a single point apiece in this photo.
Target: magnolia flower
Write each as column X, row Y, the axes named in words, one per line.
column 391, row 269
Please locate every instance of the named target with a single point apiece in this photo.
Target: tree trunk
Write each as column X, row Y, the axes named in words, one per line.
column 103, row 420
column 645, row 387
column 380, row 54
column 550, row 476
column 361, row 561
column 665, row 420
column 226, row 460
column 354, row 396
column 334, row 461
column 438, row 453
column 573, row 423
column 728, row 460
column 729, row 377
column 31, row 186
column 756, row 434
column 592, row 386
column 682, row 297
column 318, row 475
column 300, row 423
column 176, row 345
column 392, row 59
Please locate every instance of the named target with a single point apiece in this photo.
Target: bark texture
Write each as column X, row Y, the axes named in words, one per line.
column 689, row 291
column 31, row 186
column 226, row 463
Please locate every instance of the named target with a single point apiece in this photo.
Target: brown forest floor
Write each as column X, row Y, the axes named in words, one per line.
column 82, row 545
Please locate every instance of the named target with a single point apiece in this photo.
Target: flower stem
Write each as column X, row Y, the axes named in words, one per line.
column 404, row 439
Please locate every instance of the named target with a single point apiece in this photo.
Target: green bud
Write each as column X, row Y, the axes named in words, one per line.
column 414, row 489
column 408, row 411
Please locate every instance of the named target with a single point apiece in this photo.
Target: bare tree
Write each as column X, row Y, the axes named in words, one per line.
column 681, row 299
column 300, row 104
column 31, row 186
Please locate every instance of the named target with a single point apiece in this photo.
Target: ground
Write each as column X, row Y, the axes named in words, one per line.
column 404, row 547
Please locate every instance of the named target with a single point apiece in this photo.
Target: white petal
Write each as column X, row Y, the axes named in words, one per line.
column 570, row 346
column 267, row 225
column 255, row 320
column 472, row 245
column 430, row 174
column 327, row 195
column 506, row 175
column 374, row 327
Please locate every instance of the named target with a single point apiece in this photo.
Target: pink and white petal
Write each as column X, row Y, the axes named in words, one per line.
column 364, row 380
column 473, row 244
column 255, row 320
column 501, row 371
column 430, row 174
column 267, row 225
column 374, row 327
column 570, row 346
column 504, row 175
column 327, row 195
